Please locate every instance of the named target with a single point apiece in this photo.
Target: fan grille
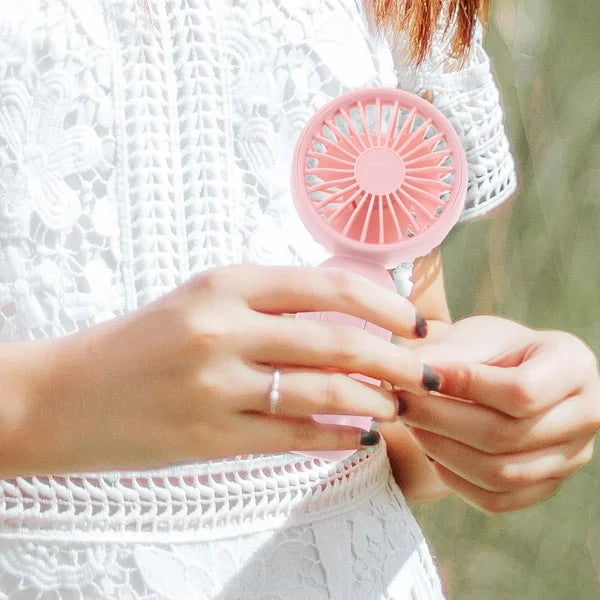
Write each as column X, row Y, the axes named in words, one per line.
column 379, row 173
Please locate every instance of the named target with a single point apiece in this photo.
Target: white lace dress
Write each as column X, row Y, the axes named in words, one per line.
column 136, row 151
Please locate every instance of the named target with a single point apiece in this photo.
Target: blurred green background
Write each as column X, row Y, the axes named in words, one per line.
column 537, row 261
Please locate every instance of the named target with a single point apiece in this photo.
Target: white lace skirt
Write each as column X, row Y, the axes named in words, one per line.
column 276, row 527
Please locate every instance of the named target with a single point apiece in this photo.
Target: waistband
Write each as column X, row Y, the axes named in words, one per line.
column 200, row 501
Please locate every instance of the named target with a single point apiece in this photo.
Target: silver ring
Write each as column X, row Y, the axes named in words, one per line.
column 274, row 390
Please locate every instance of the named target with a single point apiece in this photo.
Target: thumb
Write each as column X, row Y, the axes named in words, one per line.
column 478, row 342
column 469, row 350
column 438, row 352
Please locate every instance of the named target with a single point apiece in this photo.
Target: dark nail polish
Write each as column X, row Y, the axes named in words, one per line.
column 401, row 406
column 369, row 438
column 431, row 380
column 420, row 326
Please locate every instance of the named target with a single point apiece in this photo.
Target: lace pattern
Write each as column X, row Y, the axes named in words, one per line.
column 467, row 94
column 256, row 527
column 59, row 242
column 211, row 499
column 136, row 151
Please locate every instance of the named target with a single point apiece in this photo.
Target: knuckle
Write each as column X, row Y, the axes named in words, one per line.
column 347, row 442
column 494, row 503
column 345, row 349
column 590, row 362
column 346, row 286
column 209, row 281
column 306, row 436
column 500, row 438
column 493, row 476
column 336, row 393
column 221, row 280
column 555, row 487
column 587, row 357
column 208, row 335
column 592, row 424
column 211, row 385
column 389, row 410
column 573, row 346
column 324, row 437
column 563, row 339
column 594, row 414
column 523, row 394
column 463, row 378
column 585, row 456
column 507, row 476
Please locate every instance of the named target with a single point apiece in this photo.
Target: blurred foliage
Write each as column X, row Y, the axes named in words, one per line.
column 537, row 260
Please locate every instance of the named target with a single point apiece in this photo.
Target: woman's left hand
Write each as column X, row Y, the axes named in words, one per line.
column 517, row 413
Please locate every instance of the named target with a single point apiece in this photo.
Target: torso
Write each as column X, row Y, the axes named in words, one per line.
column 138, row 150
column 134, row 153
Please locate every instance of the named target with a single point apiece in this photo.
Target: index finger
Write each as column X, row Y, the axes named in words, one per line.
column 323, row 345
column 278, row 290
column 521, row 391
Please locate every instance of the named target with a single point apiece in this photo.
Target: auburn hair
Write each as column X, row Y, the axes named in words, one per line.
column 420, row 19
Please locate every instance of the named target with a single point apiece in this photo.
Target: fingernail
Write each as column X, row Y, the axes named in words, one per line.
column 401, row 406
column 431, row 380
column 369, row 438
column 420, row 325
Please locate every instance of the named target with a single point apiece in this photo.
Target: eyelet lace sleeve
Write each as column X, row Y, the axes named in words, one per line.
column 467, row 93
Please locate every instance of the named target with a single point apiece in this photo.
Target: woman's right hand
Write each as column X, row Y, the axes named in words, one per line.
column 187, row 376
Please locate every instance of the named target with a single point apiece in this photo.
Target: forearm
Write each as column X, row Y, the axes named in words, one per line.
column 23, row 368
column 49, row 422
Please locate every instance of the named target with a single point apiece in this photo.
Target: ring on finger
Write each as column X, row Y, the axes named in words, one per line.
column 274, row 395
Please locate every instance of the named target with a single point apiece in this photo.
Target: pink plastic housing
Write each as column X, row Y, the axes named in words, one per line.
column 379, row 174
column 381, row 276
column 379, row 177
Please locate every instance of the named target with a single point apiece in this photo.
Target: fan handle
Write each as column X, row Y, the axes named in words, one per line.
column 375, row 273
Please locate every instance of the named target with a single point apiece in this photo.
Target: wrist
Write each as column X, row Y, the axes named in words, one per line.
column 427, row 489
column 417, row 478
column 26, row 373
column 412, row 470
column 48, row 419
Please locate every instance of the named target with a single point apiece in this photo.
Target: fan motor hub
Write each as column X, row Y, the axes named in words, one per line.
column 379, row 170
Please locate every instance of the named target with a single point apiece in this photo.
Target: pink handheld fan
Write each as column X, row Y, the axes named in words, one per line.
column 379, row 177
